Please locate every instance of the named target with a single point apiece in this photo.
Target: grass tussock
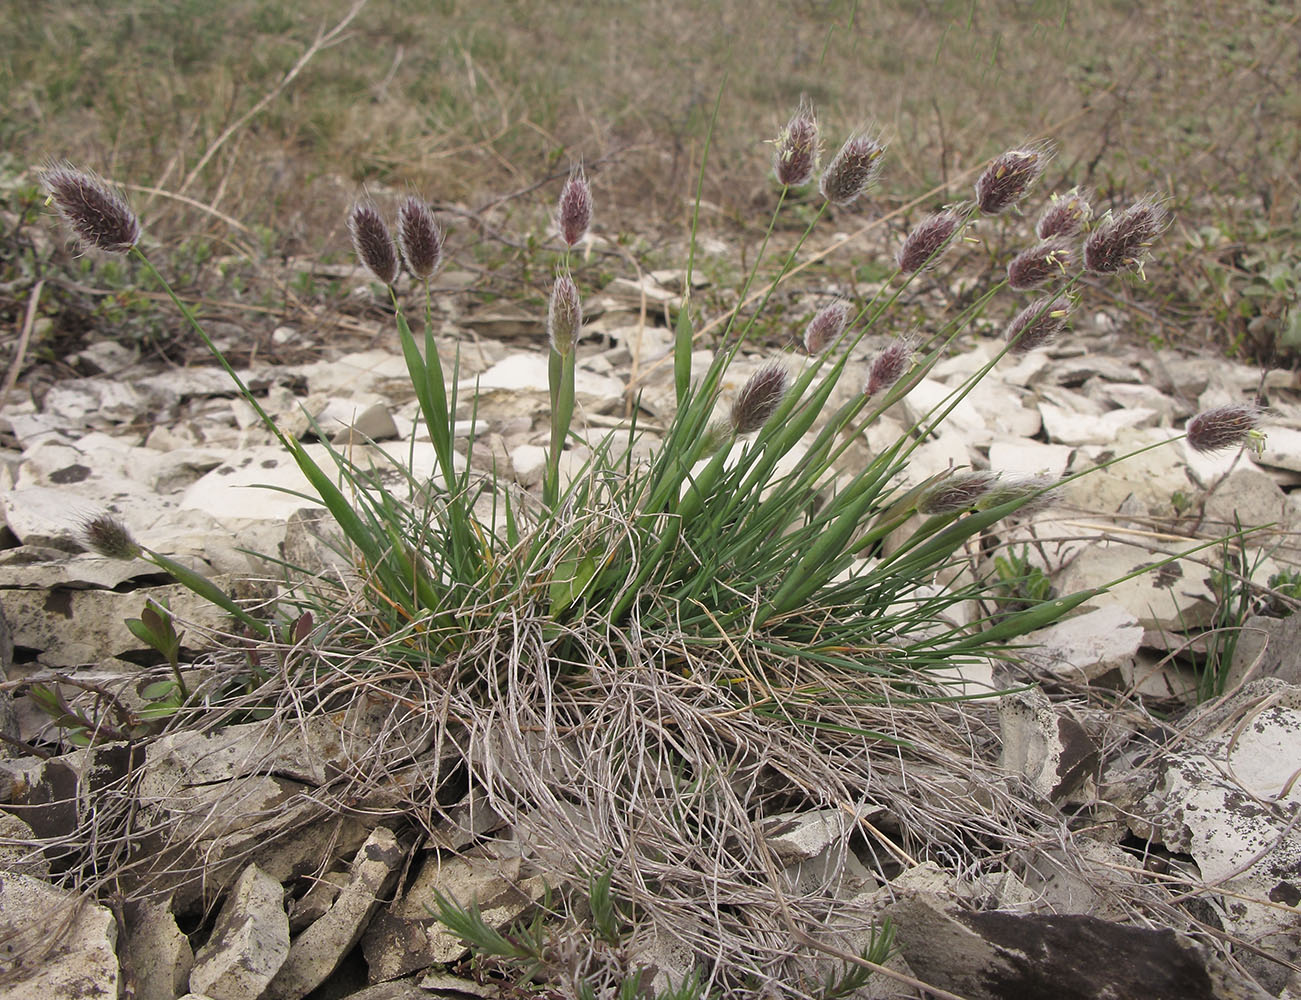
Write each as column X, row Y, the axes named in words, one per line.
column 646, row 667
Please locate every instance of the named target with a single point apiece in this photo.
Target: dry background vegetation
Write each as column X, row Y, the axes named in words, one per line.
column 477, row 104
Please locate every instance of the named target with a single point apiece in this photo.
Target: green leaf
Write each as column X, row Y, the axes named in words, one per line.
column 159, row 690
column 573, row 574
column 143, row 632
column 683, row 334
column 159, row 710
column 1290, row 335
column 46, row 700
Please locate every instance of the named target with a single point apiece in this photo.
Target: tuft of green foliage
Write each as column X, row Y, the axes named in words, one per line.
column 1021, row 583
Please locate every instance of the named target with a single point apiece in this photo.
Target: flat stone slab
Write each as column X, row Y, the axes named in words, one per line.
column 318, row 950
column 249, row 942
column 37, row 962
column 1225, row 799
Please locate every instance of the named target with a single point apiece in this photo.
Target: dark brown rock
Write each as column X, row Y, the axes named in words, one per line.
column 997, row 955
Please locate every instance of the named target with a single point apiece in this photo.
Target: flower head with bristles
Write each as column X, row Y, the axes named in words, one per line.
column 420, row 239
column 1121, row 242
column 852, row 170
column 929, row 239
column 1066, row 215
column 889, row 367
column 1007, row 179
column 759, row 398
column 826, row 326
column 108, row 536
column 1038, row 324
column 373, row 243
column 99, row 216
column 1226, row 427
column 796, row 157
column 1034, row 492
column 564, row 314
column 957, row 492
column 574, row 212
column 1045, row 261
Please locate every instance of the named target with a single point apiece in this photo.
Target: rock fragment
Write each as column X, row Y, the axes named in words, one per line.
column 318, row 950
column 997, row 955
column 57, row 946
column 249, row 942
column 159, row 956
column 1046, row 746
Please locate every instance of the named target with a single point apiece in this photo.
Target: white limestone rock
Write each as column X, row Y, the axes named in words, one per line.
column 1086, row 646
column 1248, row 497
column 1171, row 598
column 1074, row 428
column 160, row 955
column 521, row 383
column 405, row 937
column 57, row 945
column 68, row 627
column 1224, row 795
column 801, row 836
column 238, row 489
column 317, row 951
column 1282, row 449
column 1043, row 744
column 528, row 461
column 1148, row 480
column 15, row 855
column 1029, row 458
column 372, row 371
column 249, row 942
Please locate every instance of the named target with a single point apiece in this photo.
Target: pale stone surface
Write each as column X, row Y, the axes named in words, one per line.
column 804, row 835
column 1171, row 598
column 1029, row 458
column 1086, row 646
column 35, row 567
column 529, row 373
column 313, row 904
column 1247, row 497
column 106, row 357
column 1267, row 647
column 1282, row 448
column 364, row 371
column 249, row 942
column 15, row 853
column 160, row 955
column 965, row 420
column 1224, row 797
column 1128, row 397
column 252, row 485
column 1042, row 744
column 318, row 950
column 1070, row 427
column 72, row 627
column 528, row 461
column 57, row 946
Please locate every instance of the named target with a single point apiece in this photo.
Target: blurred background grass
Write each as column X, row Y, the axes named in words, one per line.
column 477, row 104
